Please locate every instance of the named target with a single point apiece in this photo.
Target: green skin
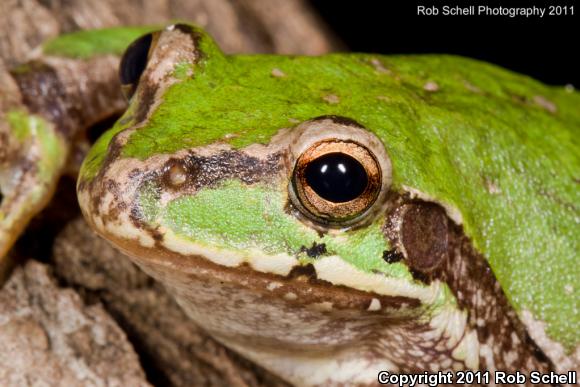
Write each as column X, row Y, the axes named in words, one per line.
column 445, row 144
column 499, row 148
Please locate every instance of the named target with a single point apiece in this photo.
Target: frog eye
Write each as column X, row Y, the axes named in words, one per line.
column 336, row 181
column 133, row 63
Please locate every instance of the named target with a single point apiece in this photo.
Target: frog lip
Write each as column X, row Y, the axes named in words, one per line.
column 301, row 286
column 276, row 320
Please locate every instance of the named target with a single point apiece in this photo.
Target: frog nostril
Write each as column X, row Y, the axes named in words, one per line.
column 177, row 175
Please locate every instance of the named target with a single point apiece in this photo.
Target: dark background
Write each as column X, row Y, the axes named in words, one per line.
column 547, row 48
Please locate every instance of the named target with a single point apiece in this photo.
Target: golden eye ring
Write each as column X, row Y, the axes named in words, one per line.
column 336, row 181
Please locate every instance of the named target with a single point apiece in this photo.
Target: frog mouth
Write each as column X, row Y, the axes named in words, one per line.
column 300, row 318
column 213, row 294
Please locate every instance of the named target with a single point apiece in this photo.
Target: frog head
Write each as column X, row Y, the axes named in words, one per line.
column 333, row 216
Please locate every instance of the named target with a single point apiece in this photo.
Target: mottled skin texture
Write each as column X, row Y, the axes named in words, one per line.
column 480, row 169
column 45, row 104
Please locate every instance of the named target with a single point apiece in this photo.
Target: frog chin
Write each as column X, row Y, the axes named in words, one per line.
column 310, row 326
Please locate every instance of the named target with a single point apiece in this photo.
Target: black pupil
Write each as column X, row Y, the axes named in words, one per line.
column 134, row 60
column 336, row 177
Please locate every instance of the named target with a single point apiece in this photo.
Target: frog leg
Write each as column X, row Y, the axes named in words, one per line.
column 46, row 102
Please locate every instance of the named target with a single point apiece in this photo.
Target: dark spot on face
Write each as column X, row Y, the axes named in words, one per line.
column 424, row 236
column 4, row 147
column 185, row 28
column 392, row 256
column 306, row 272
column 156, row 235
column 146, row 99
column 134, row 173
column 207, row 171
column 519, row 99
column 315, row 251
column 112, row 154
column 321, row 233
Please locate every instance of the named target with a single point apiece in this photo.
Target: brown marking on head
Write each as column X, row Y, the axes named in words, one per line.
column 147, row 96
column 208, row 171
column 195, row 172
column 478, row 291
column 424, row 236
column 98, row 184
column 419, row 227
column 6, row 147
column 304, row 273
column 392, row 256
column 340, row 120
column 195, row 37
column 178, row 43
column 314, row 251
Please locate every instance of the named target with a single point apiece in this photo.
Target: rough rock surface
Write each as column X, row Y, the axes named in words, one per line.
column 283, row 26
column 174, row 351
column 48, row 337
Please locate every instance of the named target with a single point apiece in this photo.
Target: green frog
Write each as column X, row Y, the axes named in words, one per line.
column 331, row 217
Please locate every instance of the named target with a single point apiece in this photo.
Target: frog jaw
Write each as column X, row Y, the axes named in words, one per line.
column 312, row 332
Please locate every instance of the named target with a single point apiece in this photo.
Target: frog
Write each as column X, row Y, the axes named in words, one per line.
column 336, row 216
column 47, row 105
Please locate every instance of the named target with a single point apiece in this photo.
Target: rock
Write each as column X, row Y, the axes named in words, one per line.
column 282, row 26
column 174, row 351
column 49, row 337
